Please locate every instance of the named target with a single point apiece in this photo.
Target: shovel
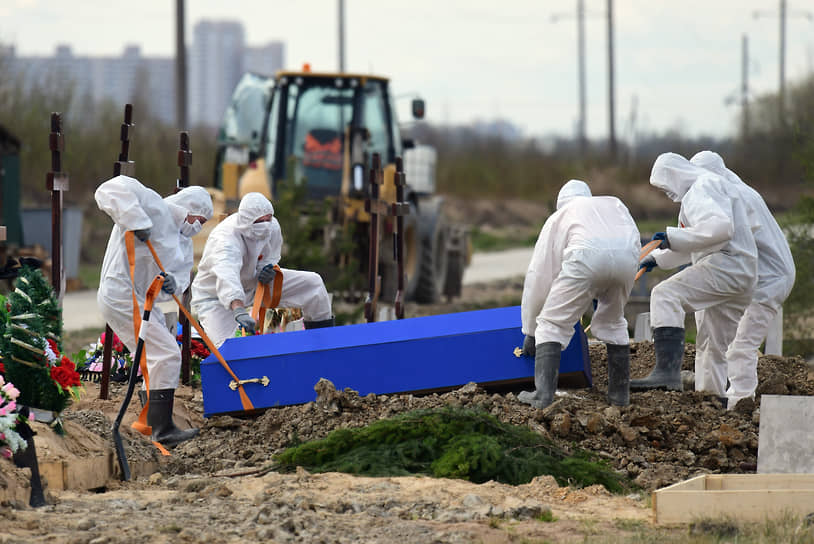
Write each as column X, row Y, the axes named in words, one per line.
column 152, row 291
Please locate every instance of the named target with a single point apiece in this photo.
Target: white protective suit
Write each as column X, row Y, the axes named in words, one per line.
column 715, row 235
column 588, row 249
column 233, row 257
column 132, row 206
column 775, row 278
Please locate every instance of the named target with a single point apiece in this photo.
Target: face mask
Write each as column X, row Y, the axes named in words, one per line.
column 190, row 230
column 260, row 231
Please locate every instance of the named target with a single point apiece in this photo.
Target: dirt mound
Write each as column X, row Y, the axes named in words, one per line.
column 661, row 438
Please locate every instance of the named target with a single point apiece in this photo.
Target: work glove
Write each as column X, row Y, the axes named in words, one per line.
column 649, row 264
column 244, row 319
column 665, row 242
column 143, row 234
column 529, row 347
column 170, row 285
column 266, row 275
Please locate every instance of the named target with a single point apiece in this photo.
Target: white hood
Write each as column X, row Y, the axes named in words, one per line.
column 713, row 162
column 195, row 200
column 674, row 175
column 572, row 189
column 252, row 207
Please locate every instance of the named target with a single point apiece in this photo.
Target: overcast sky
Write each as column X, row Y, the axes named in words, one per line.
column 478, row 59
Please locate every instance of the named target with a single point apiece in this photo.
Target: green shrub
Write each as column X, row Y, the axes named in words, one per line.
column 451, row 443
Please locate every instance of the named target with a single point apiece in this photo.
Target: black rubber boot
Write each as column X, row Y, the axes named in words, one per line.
column 159, row 417
column 28, row 458
column 319, row 324
column 529, row 347
column 546, row 371
column 618, row 374
column 669, row 344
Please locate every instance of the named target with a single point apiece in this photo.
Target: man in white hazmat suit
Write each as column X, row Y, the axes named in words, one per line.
column 715, row 235
column 168, row 223
column 588, row 249
column 241, row 251
column 775, row 279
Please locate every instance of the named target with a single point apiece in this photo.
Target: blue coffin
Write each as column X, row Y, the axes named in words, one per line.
column 419, row 354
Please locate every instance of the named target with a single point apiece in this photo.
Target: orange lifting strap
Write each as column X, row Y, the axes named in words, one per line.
column 263, row 299
column 141, row 423
column 244, row 398
column 130, row 243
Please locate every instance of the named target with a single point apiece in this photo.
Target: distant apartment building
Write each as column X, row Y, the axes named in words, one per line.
column 118, row 79
column 215, row 66
column 266, row 59
column 216, row 60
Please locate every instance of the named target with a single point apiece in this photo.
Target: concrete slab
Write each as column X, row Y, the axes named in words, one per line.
column 786, row 436
column 80, row 311
column 497, row 265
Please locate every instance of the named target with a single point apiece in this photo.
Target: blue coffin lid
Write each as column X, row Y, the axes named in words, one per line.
column 416, row 354
column 383, row 332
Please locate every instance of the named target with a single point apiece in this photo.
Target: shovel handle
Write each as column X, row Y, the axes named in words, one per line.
column 152, row 291
column 648, row 248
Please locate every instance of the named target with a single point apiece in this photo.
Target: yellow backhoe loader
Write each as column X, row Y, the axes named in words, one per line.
column 323, row 129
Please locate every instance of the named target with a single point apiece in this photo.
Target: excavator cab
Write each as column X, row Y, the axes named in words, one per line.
column 322, row 129
column 312, row 121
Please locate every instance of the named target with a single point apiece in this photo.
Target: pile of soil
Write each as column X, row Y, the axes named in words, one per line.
column 661, row 438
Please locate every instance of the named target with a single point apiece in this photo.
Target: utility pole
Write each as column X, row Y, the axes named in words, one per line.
column 611, row 86
column 782, row 15
column 581, row 123
column 745, row 85
column 781, row 97
column 581, row 92
column 341, row 34
column 180, row 67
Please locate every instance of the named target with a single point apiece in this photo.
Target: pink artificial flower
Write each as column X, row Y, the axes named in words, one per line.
column 6, row 452
column 3, row 411
column 11, row 391
column 2, row 436
column 118, row 346
column 11, row 406
column 31, row 416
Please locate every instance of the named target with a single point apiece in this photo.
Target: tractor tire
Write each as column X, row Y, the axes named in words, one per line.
column 458, row 253
column 432, row 270
column 388, row 267
column 412, row 253
column 388, row 270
